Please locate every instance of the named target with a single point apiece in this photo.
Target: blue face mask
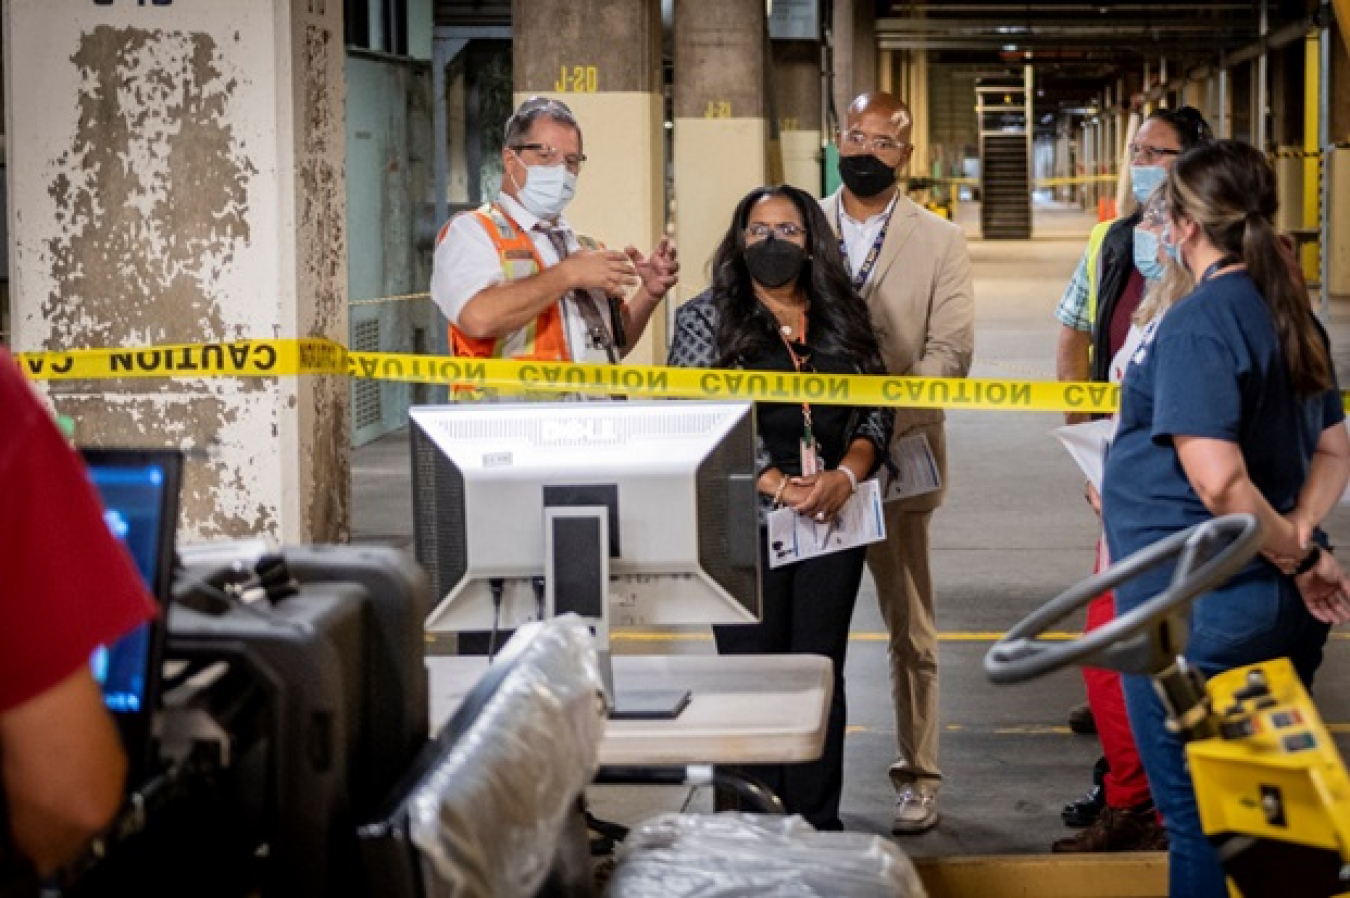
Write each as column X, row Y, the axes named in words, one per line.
column 548, row 189
column 1144, row 179
column 1173, row 250
column 1146, row 254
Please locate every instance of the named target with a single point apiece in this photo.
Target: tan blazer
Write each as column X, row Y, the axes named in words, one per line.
column 923, row 308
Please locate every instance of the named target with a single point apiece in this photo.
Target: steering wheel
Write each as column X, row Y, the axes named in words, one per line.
column 1146, row 639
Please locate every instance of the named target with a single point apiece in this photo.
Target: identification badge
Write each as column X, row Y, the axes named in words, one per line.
column 810, row 456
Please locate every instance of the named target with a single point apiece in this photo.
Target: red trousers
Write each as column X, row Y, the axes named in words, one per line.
column 1126, row 785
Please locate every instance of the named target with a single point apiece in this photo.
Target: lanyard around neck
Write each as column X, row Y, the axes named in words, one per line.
column 870, row 261
column 799, row 362
column 1216, row 267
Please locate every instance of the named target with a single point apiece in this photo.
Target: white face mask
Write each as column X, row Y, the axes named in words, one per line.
column 548, row 189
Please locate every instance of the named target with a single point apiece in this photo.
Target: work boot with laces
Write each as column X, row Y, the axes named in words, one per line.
column 1118, row 829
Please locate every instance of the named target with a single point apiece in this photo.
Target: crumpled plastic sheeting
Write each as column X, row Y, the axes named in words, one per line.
column 732, row 855
column 487, row 817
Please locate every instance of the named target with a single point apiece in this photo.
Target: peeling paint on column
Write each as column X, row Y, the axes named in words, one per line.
column 180, row 180
column 120, row 421
column 150, row 197
column 324, row 270
column 150, row 201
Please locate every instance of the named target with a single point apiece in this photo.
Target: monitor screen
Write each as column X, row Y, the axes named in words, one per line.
column 139, row 491
column 673, row 481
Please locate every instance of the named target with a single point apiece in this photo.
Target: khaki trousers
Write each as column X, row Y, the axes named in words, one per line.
column 900, row 567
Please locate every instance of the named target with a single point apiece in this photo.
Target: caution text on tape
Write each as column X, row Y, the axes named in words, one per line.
column 287, row 358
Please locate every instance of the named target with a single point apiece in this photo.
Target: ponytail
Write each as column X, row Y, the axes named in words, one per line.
column 1228, row 188
column 1272, row 268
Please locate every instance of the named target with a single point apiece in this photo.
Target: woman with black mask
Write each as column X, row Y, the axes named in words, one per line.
column 781, row 301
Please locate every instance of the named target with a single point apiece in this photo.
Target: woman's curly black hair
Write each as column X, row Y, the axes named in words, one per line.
column 838, row 319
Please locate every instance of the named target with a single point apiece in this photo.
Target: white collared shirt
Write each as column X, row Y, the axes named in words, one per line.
column 859, row 236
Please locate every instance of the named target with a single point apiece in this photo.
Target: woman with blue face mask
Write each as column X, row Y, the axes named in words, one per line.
column 1098, row 312
column 1232, row 408
column 1166, row 278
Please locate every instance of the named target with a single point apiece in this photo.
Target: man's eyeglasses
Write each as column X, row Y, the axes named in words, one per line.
column 552, row 155
column 859, row 141
column 787, row 230
column 1150, row 154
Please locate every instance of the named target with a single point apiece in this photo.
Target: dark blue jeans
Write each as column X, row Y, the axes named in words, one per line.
column 1260, row 618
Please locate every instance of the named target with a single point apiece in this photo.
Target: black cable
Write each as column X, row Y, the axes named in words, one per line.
column 538, row 584
column 495, row 586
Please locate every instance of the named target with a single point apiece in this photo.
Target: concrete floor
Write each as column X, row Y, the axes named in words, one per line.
column 1013, row 533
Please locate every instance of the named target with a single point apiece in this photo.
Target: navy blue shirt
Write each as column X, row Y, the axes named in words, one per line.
column 1214, row 369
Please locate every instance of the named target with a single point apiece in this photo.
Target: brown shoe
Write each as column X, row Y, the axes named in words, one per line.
column 1117, row 829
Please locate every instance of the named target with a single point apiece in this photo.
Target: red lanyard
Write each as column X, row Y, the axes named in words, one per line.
column 810, row 456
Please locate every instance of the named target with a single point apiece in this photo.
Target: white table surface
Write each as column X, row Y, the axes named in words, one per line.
column 745, row 709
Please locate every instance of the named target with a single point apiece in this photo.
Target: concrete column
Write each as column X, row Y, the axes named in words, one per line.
column 1339, row 117
column 855, row 51
column 916, row 95
column 176, row 176
column 603, row 60
column 797, row 87
column 886, row 64
column 720, row 131
column 1312, row 181
column 1338, row 163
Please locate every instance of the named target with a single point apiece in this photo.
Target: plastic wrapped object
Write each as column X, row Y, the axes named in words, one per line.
column 489, row 814
column 757, row 856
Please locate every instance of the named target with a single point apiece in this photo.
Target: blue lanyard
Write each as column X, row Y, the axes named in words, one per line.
column 1222, row 263
column 865, row 272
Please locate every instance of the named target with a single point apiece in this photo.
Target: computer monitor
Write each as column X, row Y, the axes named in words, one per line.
column 139, row 490
column 509, row 498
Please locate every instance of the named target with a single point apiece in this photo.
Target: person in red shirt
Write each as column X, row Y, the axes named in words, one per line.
column 68, row 587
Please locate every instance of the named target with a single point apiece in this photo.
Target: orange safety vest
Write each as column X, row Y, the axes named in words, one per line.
column 544, row 338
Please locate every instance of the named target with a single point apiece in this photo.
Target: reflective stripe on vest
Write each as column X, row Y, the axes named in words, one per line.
column 1094, row 262
column 544, row 338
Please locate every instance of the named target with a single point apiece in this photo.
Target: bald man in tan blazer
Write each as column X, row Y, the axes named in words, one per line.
column 913, row 270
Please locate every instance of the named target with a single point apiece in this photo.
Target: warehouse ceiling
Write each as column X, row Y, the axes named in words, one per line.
column 1079, row 48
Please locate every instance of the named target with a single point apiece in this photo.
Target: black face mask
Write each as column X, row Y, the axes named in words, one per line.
column 865, row 175
column 774, row 262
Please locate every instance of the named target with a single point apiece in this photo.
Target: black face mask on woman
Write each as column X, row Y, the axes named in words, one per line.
column 865, row 175
column 774, row 262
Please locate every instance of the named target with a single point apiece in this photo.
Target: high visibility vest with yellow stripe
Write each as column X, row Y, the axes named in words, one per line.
column 544, row 338
column 1094, row 261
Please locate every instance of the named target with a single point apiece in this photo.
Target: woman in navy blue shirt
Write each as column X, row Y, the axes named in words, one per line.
column 1232, row 407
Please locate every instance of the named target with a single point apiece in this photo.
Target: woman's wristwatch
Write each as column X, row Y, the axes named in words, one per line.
column 1309, row 561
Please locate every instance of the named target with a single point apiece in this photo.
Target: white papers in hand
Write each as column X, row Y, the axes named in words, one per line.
column 916, row 470
column 794, row 537
column 1087, row 443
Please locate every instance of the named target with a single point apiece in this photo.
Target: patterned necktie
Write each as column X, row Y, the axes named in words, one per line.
column 598, row 333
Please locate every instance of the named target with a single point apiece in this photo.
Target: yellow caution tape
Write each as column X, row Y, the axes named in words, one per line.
column 1074, row 179
column 244, row 358
column 764, row 386
column 288, row 358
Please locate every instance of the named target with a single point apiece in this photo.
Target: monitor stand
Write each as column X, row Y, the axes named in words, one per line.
column 576, row 579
